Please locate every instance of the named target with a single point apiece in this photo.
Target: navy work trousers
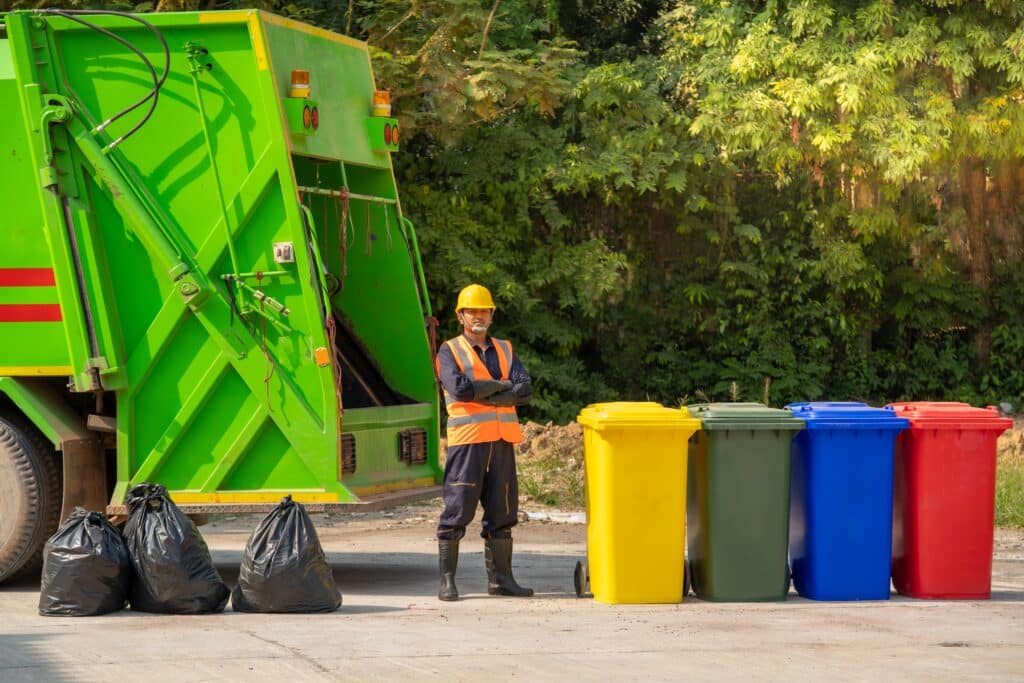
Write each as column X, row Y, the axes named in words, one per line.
column 485, row 473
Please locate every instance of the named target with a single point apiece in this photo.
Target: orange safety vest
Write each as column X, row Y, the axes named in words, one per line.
column 471, row 422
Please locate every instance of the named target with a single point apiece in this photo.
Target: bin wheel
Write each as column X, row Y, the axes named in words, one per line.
column 580, row 580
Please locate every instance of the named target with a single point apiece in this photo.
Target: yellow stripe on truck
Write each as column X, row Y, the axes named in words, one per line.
column 186, row 497
column 36, row 370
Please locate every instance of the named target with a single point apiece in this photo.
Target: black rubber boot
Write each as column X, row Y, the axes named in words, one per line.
column 498, row 558
column 448, row 561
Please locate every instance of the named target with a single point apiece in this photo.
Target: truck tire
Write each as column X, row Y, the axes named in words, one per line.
column 30, row 497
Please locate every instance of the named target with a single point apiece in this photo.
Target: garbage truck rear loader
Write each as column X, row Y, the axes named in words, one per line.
column 206, row 279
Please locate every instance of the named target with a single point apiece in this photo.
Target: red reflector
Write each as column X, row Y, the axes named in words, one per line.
column 307, row 117
column 26, row 277
column 387, row 133
column 316, row 118
column 30, row 313
column 394, row 135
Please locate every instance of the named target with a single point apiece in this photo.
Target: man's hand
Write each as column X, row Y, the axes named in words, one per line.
column 502, row 399
column 484, row 388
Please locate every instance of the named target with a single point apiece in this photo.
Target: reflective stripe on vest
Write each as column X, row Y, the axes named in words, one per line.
column 481, row 417
column 471, row 422
column 465, row 362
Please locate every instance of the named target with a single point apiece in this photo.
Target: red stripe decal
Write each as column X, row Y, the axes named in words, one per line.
column 26, row 277
column 30, row 313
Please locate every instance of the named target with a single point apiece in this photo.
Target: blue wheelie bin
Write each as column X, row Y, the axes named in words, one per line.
column 840, row 521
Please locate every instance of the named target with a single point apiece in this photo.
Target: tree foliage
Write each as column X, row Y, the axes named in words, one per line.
column 768, row 200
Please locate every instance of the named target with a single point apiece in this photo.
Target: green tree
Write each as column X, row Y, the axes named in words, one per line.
column 780, row 200
column 908, row 115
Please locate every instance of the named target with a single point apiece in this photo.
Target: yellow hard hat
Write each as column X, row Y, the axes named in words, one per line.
column 474, row 296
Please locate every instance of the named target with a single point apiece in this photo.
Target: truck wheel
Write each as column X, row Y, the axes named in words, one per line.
column 30, row 497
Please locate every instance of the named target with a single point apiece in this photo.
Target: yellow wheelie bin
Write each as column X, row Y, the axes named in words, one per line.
column 635, row 463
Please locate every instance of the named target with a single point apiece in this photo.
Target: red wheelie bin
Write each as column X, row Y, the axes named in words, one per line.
column 944, row 500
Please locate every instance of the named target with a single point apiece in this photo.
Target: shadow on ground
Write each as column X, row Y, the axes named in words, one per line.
column 24, row 657
column 415, row 575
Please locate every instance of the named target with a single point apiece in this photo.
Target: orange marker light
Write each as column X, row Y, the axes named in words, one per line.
column 323, row 358
column 300, row 84
column 387, row 134
column 381, row 103
column 394, row 135
column 307, row 117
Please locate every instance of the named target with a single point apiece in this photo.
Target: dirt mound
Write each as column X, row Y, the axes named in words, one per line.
column 551, row 441
column 550, row 464
column 1011, row 445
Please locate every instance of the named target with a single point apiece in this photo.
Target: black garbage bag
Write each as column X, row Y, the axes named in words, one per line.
column 284, row 568
column 86, row 571
column 174, row 573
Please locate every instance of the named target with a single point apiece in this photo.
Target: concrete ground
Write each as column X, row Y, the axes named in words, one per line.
column 392, row 627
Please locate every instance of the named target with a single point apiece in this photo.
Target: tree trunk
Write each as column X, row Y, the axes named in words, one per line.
column 1006, row 223
column 866, row 196
column 1020, row 186
column 972, row 188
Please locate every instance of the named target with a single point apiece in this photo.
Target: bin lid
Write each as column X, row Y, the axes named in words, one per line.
column 636, row 415
column 846, row 415
column 950, row 414
column 744, row 416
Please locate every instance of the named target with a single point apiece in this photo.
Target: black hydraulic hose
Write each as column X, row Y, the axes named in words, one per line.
column 153, row 94
column 145, row 60
column 149, row 26
column 158, row 83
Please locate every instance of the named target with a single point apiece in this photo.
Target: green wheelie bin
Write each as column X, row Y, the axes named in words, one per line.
column 738, row 501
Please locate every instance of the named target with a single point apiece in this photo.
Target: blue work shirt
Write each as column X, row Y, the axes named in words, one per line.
column 461, row 388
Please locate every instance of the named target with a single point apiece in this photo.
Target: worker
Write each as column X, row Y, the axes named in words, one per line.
column 483, row 382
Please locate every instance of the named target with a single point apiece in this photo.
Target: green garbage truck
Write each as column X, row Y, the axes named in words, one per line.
column 206, row 278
